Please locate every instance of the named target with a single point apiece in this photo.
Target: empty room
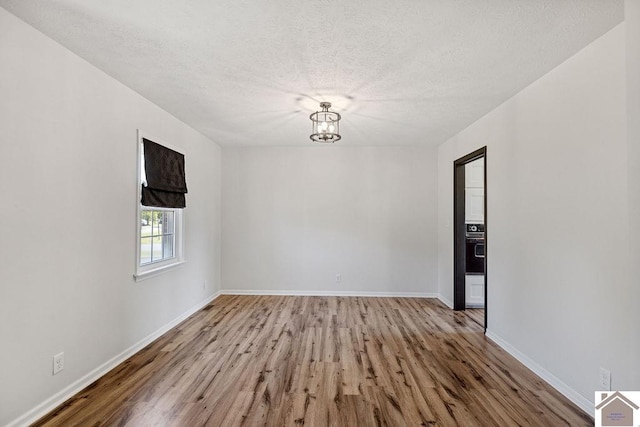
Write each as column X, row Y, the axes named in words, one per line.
column 319, row 213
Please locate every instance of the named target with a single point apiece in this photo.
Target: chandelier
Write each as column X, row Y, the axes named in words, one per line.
column 325, row 124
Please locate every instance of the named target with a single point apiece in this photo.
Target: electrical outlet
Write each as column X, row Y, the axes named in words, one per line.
column 338, row 278
column 58, row 363
column 605, row 380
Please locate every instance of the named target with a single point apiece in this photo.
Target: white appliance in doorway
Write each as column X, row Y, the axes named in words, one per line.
column 474, row 215
column 475, row 265
column 474, row 192
column 474, row 292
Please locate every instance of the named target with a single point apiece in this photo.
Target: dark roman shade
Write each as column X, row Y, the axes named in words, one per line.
column 166, row 183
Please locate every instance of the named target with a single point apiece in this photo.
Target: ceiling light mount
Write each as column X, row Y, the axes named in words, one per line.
column 325, row 124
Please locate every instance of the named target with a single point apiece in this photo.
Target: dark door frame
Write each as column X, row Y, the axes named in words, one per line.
column 459, row 230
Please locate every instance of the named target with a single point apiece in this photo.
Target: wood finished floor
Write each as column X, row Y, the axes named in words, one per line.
column 318, row 361
column 476, row 314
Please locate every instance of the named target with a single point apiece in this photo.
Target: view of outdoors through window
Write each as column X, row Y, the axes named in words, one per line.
column 157, row 236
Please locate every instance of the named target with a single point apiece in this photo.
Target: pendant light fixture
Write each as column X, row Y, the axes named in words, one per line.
column 325, row 124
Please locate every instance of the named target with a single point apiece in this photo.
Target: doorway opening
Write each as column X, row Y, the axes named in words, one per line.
column 470, row 235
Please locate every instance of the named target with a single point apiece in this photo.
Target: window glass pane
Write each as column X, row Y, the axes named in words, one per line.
column 145, row 250
column 145, row 218
column 154, row 223
column 167, row 245
column 161, row 223
column 156, row 250
column 168, row 223
column 145, row 224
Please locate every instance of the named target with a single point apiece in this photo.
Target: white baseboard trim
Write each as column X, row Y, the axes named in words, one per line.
column 54, row 401
column 329, row 293
column 445, row 301
column 585, row 404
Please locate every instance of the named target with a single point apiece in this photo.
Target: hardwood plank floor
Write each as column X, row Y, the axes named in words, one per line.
column 476, row 314
column 339, row 361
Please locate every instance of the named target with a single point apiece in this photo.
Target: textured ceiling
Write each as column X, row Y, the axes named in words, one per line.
column 249, row 72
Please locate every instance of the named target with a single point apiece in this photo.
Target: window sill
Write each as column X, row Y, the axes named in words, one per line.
column 147, row 274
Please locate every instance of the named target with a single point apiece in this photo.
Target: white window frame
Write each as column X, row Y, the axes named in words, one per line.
column 153, row 269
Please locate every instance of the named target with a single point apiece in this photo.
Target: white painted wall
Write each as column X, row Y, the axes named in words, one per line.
column 632, row 25
column 67, row 224
column 295, row 217
column 557, row 220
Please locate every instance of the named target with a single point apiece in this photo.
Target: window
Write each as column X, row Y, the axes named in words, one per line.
column 157, row 236
column 159, row 228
